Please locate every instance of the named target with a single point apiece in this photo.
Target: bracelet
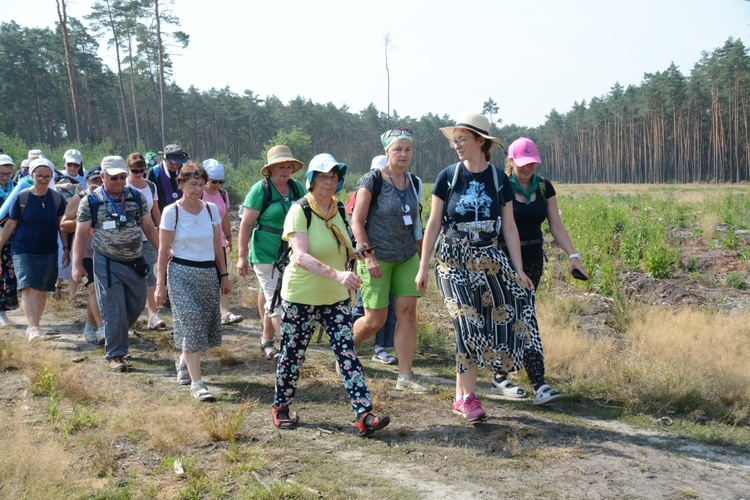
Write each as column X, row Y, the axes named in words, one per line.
column 223, row 275
column 574, row 256
column 66, row 248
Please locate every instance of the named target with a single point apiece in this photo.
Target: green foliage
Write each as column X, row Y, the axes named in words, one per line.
column 659, row 260
column 736, row 280
column 45, row 386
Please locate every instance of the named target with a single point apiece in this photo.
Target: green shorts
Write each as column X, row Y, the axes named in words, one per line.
column 398, row 280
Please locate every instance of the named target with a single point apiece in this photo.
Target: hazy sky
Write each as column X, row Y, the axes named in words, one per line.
column 530, row 56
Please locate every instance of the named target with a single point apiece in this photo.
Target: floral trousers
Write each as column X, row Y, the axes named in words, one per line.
column 298, row 324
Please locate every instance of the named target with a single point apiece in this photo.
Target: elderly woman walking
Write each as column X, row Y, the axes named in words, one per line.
column 386, row 215
column 194, row 276
column 265, row 207
column 316, row 288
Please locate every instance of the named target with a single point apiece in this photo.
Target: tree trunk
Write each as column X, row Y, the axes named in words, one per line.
column 63, row 15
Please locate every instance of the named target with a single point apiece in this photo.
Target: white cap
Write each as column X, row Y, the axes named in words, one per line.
column 214, row 169
column 73, row 156
column 113, row 165
column 41, row 162
column 6, row 160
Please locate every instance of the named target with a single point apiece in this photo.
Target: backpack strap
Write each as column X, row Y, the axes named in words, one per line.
column 453, row 173
column 377, row 185
column 23, row 200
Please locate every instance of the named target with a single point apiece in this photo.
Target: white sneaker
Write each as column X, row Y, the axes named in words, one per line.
column 4, row 321
column 156, row 323
column 546, row 394
column 231, row 319
column 200, row 392
column 410, row 385
column 33, row 334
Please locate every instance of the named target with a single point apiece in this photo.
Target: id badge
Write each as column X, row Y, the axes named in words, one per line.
column 109, row 224
column 123, row 218
column 407, row 220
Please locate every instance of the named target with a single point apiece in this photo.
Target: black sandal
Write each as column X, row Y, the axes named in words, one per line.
column 280, row 416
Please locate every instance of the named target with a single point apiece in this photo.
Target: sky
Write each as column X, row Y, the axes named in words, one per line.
column 445, row 58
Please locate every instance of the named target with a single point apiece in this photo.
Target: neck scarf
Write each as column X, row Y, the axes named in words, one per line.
column 169, row 183
column 328, row 218
column 533, row 186
column 5, row 192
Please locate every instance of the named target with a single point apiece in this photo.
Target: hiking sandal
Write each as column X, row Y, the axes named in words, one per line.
column 367, row 423
column 281, row 419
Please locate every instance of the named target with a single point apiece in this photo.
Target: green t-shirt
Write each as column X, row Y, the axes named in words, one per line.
column 302, row 286
column 264, row 245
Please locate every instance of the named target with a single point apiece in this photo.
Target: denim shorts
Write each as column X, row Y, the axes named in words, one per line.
column 38, row 272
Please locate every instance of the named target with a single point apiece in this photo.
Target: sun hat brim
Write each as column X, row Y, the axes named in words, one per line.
column 296, row 165
column 448, row 133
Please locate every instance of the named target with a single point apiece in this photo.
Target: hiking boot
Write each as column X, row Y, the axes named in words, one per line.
column 118, row 364
column 267, row 348
column 200, row 392
column 231, row 319
column 183, row 376
column 410, row 385
column 506, row 389
column 280, row 417
column 472, row 409
column 156, row 323
column 546, row 394
column 367, row 423
column 33, row 335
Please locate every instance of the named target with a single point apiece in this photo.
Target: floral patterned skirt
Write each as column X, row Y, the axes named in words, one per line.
column 8, row 286
column 493, row 314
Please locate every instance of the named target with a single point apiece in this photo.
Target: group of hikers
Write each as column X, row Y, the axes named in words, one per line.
column 144, row 236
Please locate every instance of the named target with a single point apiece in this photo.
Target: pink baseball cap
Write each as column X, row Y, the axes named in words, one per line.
column 523, row 151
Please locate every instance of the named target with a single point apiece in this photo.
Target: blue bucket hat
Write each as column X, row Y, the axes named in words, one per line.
column 325, row 163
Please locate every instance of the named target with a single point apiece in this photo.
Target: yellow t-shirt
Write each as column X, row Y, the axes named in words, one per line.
column 302, row 286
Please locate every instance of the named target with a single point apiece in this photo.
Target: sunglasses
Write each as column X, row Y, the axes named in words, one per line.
column 120, row 177
column 72, row 165
column 217, row 182
column 137, row 170
column 400, row 131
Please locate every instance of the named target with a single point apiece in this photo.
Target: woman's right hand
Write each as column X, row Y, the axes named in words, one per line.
column 421, row 280
column 373, row 266
column 160, row 294
column 243, row 267
column 348, row 279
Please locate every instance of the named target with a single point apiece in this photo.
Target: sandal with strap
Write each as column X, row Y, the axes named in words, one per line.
column 280, row 416
column 367, row 423
column 381, row 355
column 91, row 337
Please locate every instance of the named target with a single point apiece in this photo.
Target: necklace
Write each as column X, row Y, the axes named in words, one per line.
column 401, row 186
column 42, row 199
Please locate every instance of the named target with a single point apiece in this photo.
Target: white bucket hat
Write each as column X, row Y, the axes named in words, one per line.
column 325, row 163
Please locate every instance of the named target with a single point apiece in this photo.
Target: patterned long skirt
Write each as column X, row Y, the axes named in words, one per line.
column 8, row 286
column 493, row 314
column 194, row 293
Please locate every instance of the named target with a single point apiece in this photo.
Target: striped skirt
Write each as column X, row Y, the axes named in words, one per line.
column 492, row 313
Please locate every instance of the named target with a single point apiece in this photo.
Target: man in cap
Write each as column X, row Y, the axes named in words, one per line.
column 117, row 215
column 24, row 170
column 71, row 179
column 164, row 175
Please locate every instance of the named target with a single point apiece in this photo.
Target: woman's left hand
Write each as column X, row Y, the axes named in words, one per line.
column 226, row 285
column 575, row 263
column 526, row 280
column 228, row 248
column 373, row 266
column 66, row 258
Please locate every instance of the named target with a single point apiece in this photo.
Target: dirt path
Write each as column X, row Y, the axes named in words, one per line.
column 521, row 451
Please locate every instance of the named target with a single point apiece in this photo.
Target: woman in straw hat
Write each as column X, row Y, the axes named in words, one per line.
column 265, row 208
column 316, row 288
column 489, row 298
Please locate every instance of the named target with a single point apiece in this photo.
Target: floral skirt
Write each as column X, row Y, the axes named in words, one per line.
column 492, row 313
column 194, row 293
column 8, row 286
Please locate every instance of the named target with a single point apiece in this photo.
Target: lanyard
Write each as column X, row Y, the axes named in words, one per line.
column 404, row 206
column 112, row 203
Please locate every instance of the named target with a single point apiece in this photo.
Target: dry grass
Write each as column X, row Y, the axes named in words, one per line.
column 708, row 222
column 664, row 361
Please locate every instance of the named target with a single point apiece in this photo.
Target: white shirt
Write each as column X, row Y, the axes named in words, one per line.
column 194, row 235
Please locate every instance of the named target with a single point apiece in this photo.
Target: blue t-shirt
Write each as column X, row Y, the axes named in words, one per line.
column 474, row 205
column 37, row 232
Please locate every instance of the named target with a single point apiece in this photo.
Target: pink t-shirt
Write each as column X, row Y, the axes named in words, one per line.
column 223, row 207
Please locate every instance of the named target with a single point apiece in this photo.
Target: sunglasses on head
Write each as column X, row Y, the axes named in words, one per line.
column 400, row 131
column 214, row 181
column 137, row 170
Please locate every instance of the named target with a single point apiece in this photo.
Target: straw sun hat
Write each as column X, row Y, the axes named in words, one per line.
column 280, row 154
column 476, row 123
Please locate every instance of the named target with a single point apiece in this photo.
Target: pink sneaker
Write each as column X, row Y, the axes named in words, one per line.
column 472, row 409
column 458, row 407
